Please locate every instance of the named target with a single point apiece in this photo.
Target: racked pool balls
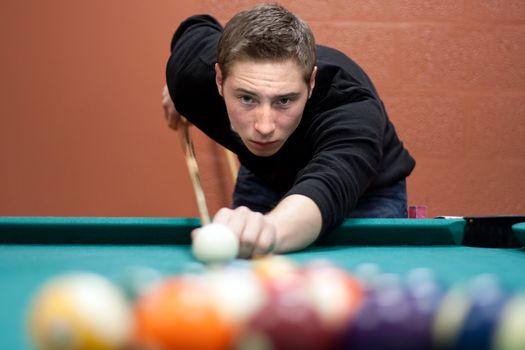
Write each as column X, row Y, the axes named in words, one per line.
column 80, row 311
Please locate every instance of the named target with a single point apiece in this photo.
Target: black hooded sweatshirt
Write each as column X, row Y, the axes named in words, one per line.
column 344, row 146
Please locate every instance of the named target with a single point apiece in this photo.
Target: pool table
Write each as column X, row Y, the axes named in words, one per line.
column 32, row 249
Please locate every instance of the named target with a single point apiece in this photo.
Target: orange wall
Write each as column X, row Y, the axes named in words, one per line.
column 82, row 130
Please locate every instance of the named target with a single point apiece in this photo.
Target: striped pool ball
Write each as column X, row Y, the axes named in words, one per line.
column 510, row 331
column 487, row 300
column 80, row 310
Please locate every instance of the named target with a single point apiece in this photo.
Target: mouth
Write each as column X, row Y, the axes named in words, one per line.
column 263, row 148
column 263, row 144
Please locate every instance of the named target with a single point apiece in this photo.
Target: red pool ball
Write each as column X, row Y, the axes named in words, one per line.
column 286, row 321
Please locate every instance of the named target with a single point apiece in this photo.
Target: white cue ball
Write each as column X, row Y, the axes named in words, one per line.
column 215, row 243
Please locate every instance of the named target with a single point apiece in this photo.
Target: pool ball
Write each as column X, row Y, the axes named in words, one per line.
column 510, row 331
column 335, row 294
column 450, row 315
column 286, row 321
column 420, row 276
column 136, row 280
column 80, row 311
column 215, row 243
column 388, row 319
column 237, row 292
column 488, row 298
column 179, row 313
column 366, row 274
column 276, row 271
column 425, row 290
column 367, row 271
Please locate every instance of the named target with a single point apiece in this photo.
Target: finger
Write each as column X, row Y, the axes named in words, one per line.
column 179, row 121
column 234, row 218
column 249, row 239
column 170, row 112
column 194, row 233
column 166, row 101
column 222, row 216
column 266, row 242
column 237, row 219
column 165, row 107
column 173, row 121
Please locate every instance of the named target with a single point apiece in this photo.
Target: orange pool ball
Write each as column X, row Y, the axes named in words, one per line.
column 180, row 314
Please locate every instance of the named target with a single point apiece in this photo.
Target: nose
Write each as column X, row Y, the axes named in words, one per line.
column 264, row 121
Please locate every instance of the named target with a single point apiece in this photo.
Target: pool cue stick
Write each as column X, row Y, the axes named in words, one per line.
column 193, row 169
column 232, row 165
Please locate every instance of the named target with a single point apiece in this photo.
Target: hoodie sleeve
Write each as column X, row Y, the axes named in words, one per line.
column 190, row 74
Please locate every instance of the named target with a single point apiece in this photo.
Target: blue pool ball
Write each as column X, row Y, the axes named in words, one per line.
column 389, row 319
column 488, row 299
column 136, row 280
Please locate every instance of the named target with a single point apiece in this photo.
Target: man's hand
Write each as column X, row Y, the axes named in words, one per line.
column 292, row 225
column 173, row 117
column 257, row 235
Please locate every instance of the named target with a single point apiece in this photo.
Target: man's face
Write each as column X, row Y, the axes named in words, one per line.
column 265, row 102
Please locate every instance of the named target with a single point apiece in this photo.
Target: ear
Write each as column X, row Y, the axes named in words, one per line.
column 312, row 81
column 218, row 78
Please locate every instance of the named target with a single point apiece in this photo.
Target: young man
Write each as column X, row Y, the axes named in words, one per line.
column 313, row 138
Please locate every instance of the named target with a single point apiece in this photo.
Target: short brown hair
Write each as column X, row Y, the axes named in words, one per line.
column 267, row 32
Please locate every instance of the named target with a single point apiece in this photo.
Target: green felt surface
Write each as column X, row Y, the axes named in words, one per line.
column 32, row 250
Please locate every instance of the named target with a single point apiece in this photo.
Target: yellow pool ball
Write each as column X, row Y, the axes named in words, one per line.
column 79, row 311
